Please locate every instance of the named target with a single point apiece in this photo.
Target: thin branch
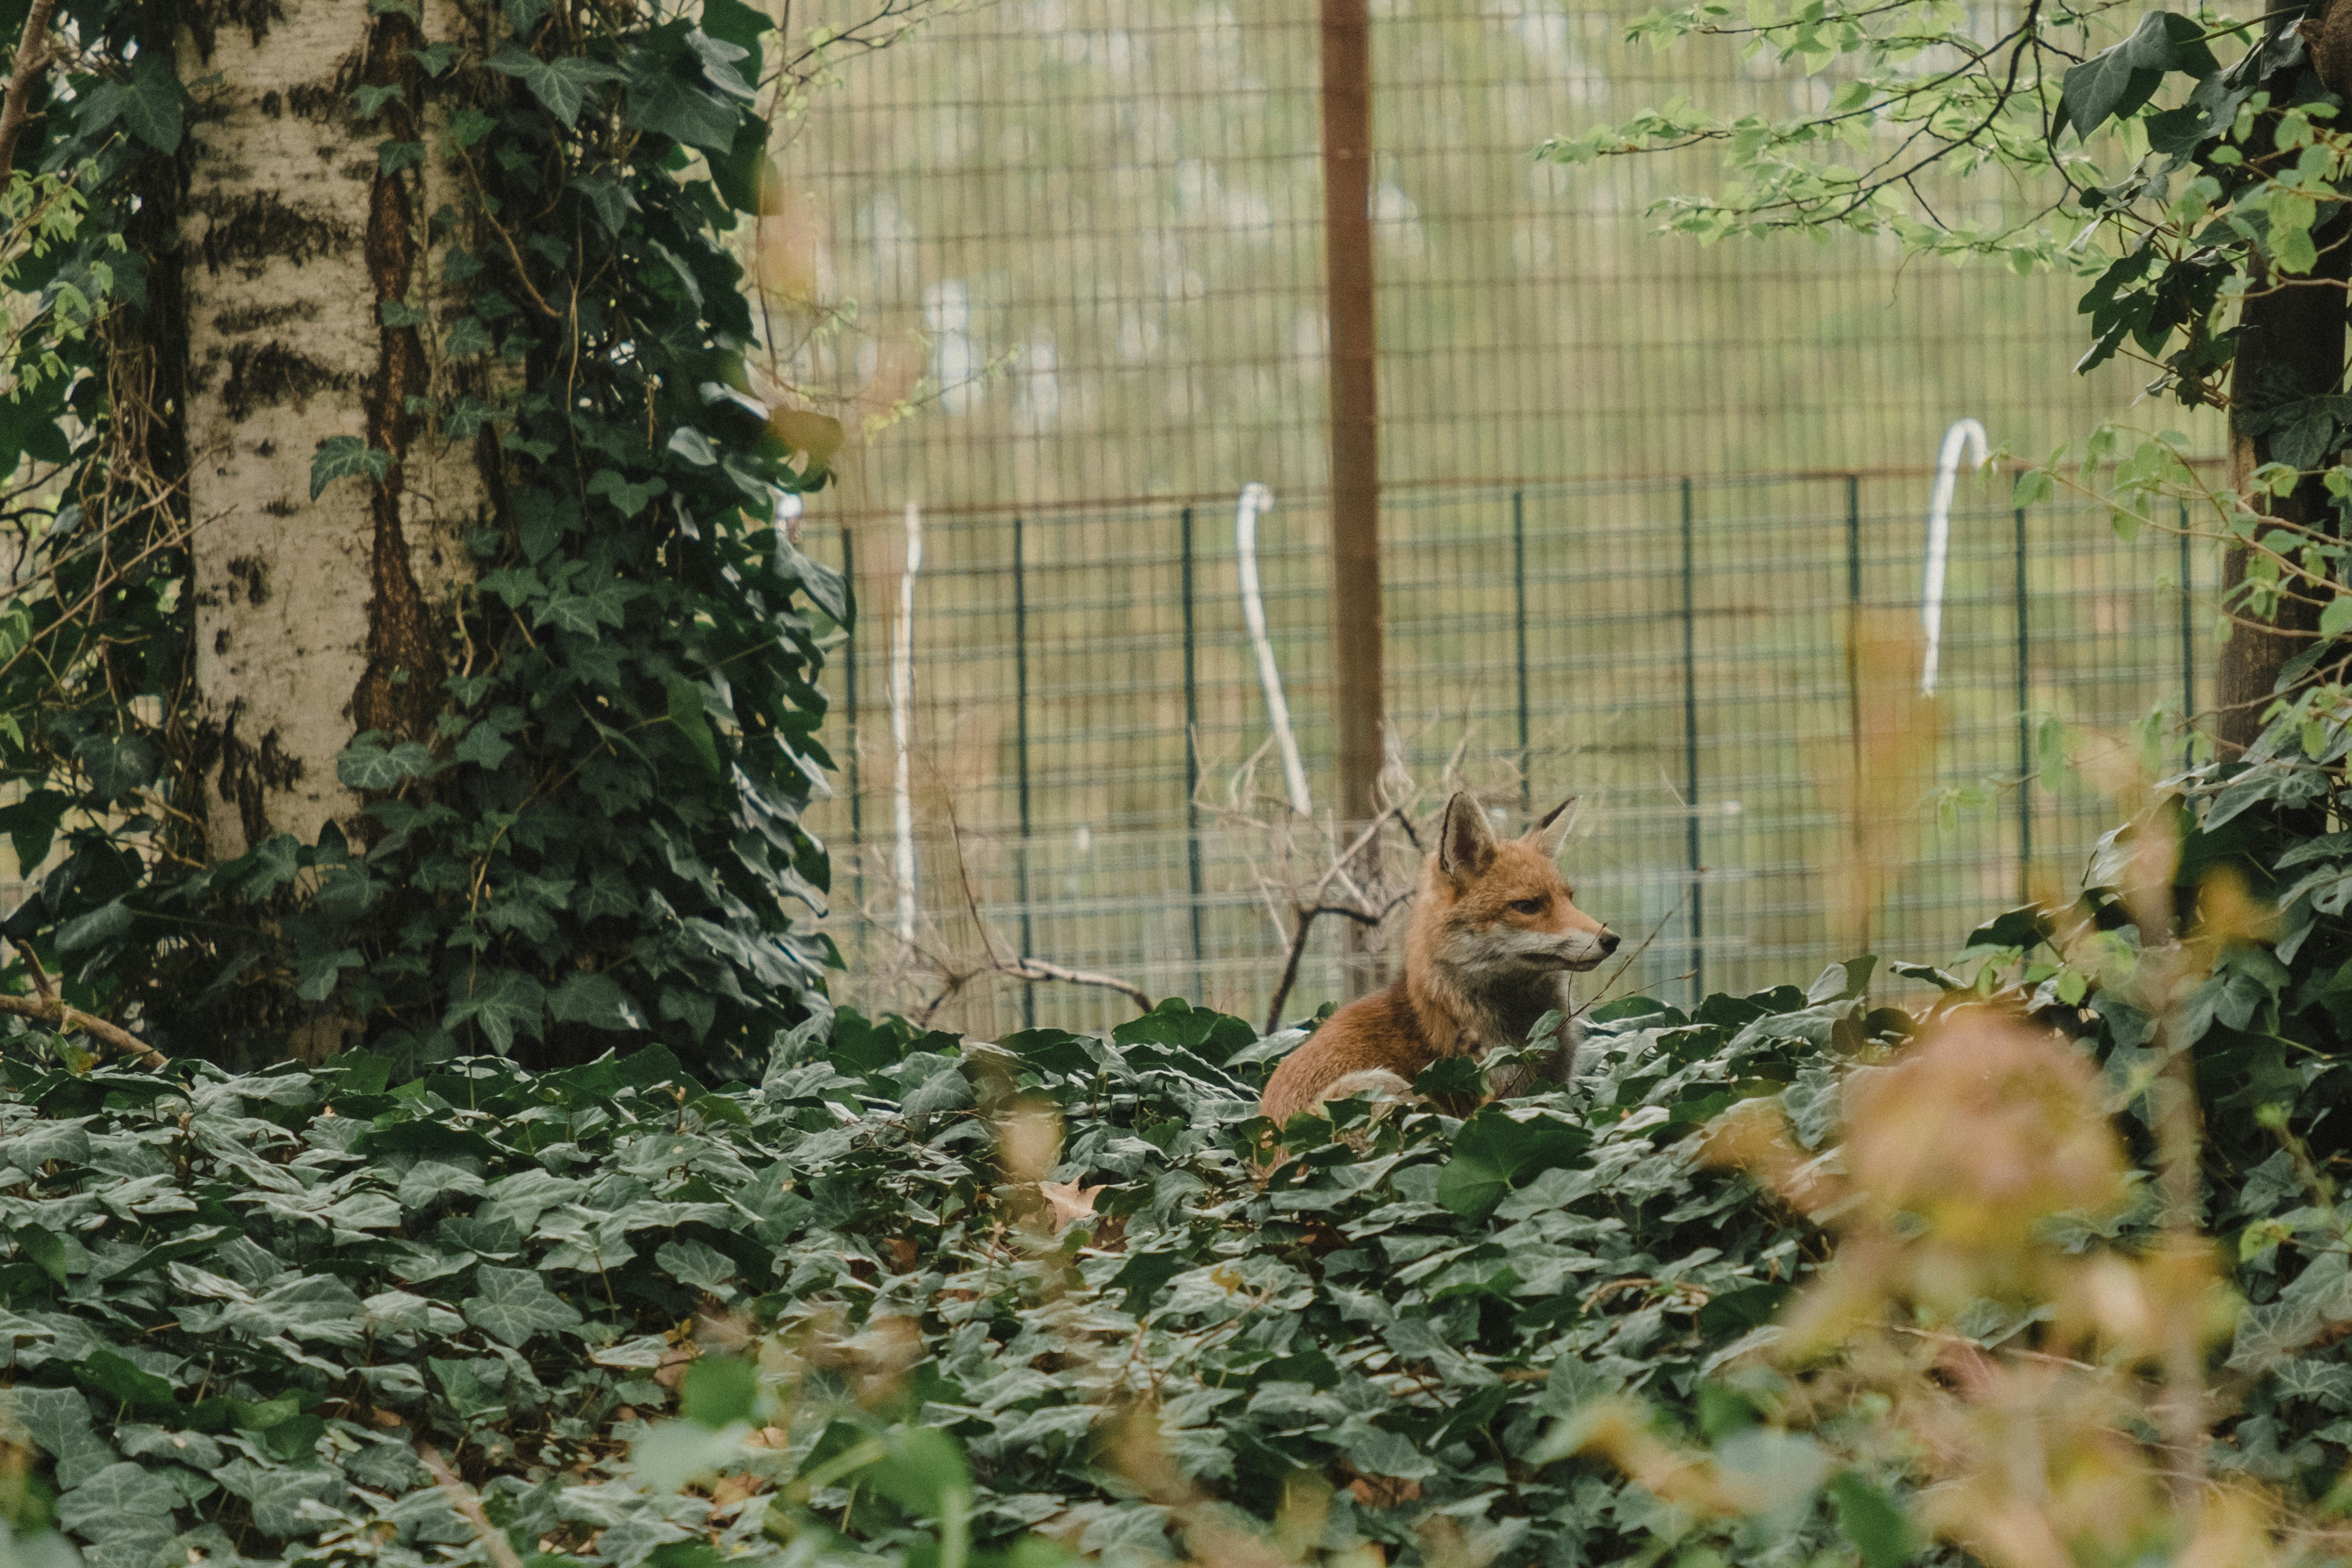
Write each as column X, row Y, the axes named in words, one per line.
column 1040, row 970
column 40, row 976
column 54, row 1012
column 461, row 1498
column 1307, row 913
column 32, row 64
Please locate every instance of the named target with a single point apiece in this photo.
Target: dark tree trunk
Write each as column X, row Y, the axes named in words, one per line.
column 2290, row 345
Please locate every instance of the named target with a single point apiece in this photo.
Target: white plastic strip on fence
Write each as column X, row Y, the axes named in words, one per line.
column 902, row 704
column 1256, row 499
column 1963, row 433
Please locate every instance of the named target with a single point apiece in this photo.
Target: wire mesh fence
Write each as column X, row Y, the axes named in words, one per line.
column 1087, row 778
column 1068, row 256
column 1083, row 241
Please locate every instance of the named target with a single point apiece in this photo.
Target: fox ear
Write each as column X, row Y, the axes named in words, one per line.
column 1465, row 844
column 1550, row 830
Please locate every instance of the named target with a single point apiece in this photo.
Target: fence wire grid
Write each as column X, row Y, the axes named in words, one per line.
column 1088, row 774
column 1082, row 241
column 1064, row 260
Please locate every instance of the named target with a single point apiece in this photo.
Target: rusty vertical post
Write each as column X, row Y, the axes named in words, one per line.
column 1355, row 680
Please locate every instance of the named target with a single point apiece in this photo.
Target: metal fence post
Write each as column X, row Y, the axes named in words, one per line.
column 1021, row 754
column 1520, row 621
column 1192, row 760
column 2187, row 643
column 2024, row 727
column 1854, row 698
column 1696, row 923
column 849, row 717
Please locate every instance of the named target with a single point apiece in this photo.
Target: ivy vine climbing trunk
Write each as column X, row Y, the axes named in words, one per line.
column 319, row 603
column 458, row 544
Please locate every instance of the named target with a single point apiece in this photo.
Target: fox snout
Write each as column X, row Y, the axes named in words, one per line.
column 1582, row 950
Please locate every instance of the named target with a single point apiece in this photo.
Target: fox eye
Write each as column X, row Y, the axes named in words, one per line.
column 1529, row 905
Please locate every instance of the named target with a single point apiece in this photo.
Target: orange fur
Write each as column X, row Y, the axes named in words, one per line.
column 1494, row 935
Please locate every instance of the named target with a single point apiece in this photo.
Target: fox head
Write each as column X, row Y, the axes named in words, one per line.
column 1501, row 909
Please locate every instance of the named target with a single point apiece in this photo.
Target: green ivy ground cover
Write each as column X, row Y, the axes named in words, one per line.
column 835, row 1317
column 237, row 1306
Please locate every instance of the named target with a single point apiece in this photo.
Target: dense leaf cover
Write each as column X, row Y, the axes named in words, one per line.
column 634, row 674
column 844, row 1312
column 237, row 1305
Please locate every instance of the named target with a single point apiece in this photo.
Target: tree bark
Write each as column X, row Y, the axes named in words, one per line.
column 315, row 619
column 2289, row 346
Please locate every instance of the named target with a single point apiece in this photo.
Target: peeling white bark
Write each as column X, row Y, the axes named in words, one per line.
column 285, row 349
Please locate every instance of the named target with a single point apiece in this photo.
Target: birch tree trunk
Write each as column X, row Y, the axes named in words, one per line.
column 316, row 619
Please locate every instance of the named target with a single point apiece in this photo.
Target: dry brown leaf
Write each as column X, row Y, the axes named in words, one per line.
column 1070, row 1202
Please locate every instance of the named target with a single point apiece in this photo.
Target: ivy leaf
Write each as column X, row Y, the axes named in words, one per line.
column 468, row 416
column 2118, row 81
column 718, row 1390
column 630, row 498
column 392, row 157
column 367, row 764
column 469, row 125
column 742, row 174
column 719, row 67
column 108, row 922
column 1496, row 1146
column 118, row 764
column 608, row 198
column 368, row 101
column 467, row 335
column 597, row 1001
column 824, row 585
column 434, row 57
column 515, row 1304
column 502, row 1002
column 694, row 446
column 608, row 893
column 151, row 107
column 102, row 1371
column 736, row 22
column 660, row 101
column 341, row 457
column 397, row 313
column 31, row 825
column 583, row 612
column 316, row 976
column 2103, row 88
column 705, row 1266
column 685, row 712
column 562, row 85
column 483, row 746
column 541, row 520
column 1873, row 1522
column 115, row 1496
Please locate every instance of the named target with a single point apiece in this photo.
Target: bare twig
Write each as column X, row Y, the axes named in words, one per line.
column 32, row 64
column 49, row 1010
column 461, row 1498
column 1308, row 914
column 1039, row 969
column 40, row 976
column 1602, row 995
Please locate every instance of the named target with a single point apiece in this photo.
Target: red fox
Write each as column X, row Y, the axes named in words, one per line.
column 1493, row 934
